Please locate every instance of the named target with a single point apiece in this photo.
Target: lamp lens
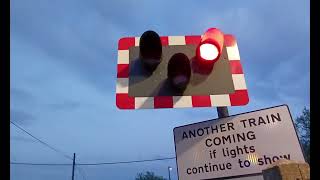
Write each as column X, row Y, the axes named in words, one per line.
column 209, row 52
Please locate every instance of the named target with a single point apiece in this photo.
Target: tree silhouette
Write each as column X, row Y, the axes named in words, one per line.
column 302, row 124
column 148, row 176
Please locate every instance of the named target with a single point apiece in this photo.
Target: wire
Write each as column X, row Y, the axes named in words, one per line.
column 124, row 162
column 40, row 164
column 78, row 164
column 97, row 164
column 42, row 142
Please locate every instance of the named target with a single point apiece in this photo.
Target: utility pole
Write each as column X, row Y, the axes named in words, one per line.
column 73, row 164
column 169, row 169
column 222, row 112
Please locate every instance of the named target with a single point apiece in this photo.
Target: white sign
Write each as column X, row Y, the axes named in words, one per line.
column 236, row 146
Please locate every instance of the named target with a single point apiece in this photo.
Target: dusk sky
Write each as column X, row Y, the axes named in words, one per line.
column 63, row 57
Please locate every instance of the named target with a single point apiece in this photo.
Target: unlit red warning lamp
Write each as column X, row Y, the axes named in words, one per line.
column 179, row 71
column 179, row 67
column 150, row 50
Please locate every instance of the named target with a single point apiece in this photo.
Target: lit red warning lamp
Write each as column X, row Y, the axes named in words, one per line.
column 210, row 47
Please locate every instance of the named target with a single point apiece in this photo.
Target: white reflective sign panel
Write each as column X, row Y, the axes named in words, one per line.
column 236, row 146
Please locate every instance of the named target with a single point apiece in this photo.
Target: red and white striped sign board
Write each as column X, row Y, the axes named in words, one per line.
column 124, row 101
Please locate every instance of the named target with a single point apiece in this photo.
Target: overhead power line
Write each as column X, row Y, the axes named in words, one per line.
column 124, row 162
column 95, row 164
column 42, row 142
column 77, row 164
column 40, row 164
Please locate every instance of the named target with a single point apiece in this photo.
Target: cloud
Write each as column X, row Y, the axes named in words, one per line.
column 66, row 105
column 21, row 117
column 20, row 138
column 90, row 32
column 83, row 41
column 20, row 98
column 16, row 93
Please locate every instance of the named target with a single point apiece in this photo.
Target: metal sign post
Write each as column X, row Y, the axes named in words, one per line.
column 222, row 112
